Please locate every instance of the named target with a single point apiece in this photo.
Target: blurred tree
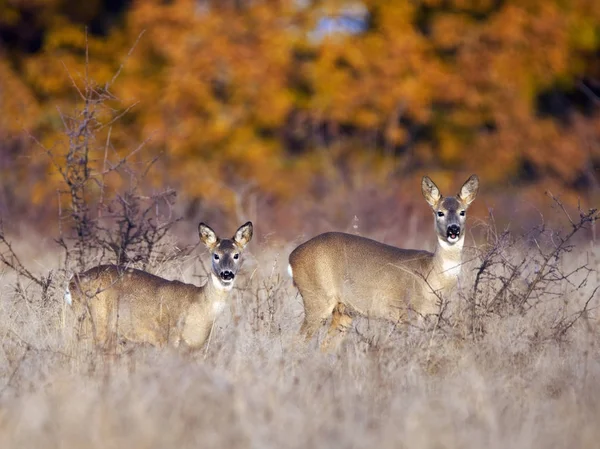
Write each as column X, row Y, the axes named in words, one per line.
column 268, row 95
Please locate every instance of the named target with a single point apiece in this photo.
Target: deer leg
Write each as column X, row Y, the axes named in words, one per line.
column 317, row 308
column 341, row 322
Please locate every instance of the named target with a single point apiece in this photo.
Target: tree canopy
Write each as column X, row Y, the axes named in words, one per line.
column 236, row 93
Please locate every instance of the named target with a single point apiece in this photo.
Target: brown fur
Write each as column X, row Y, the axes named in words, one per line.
column 125, row 304
column 339, row 274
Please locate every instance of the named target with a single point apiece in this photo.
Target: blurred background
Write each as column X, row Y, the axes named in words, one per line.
column 303, row 114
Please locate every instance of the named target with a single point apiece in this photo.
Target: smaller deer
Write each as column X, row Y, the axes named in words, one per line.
column 133, row 305
column 342, row 274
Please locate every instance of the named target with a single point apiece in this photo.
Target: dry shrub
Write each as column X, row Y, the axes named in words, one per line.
column 255, row 385
column 545, row 275
column 511, row 360
column 104, row 214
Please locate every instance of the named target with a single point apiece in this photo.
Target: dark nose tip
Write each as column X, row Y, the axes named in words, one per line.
column 227, row 275
column 454, row 230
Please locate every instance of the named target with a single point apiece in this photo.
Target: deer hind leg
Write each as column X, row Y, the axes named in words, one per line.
column 106, row 325
column 318, row 306
column 82, row 321
column 341, row 323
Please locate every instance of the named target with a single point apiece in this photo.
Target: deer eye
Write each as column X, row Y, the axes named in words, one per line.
column 440, row 213
column 216, row 256
column 236, row 256
column 462, row 213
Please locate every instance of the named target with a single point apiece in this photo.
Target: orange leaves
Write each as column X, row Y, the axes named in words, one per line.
column 450, row 30
column 223, row 83
column 347, row 77
column 497, row 69
column 19, row 107
column 247, row 94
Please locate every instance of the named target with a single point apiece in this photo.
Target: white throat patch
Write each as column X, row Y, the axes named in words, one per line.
column 456, row 246
column 219, row 285
column 218, row 307
column 451, row 268
column 451, row 265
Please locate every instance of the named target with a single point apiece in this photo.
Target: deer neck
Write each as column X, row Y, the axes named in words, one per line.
column 216, row 293
column 447, row 258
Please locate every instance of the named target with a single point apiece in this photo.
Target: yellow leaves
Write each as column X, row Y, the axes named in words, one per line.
column 9, row 15
column 53, row 71
column 167, row 24
column 453, row 84
column 13, row 12
column 272, row 108
column 47, row 75
column 556, row 151
column 66, row 35
column 396, row 135
column 39, row 193
column 366, row 118
column 449, row 30
column 479, row 6
column 584, row 32
column 19, row 107
column 396, row 17
column 452, row 147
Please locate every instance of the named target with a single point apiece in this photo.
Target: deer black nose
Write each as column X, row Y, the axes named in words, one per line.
column 227, row 275
column 453, row 231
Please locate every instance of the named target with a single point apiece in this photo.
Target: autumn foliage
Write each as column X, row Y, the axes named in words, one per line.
column 260, row 96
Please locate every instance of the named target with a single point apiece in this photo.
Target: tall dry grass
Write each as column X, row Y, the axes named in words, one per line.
column 514, row 383
column 511, row 361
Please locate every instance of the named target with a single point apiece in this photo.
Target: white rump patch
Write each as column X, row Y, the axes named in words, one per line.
column 290, row 271
column 68, row 297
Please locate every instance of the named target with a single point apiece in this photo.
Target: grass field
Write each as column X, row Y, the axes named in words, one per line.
column 518, row 384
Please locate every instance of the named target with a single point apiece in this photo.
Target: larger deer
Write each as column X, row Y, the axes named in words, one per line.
column 338, row 273
column 128, row 304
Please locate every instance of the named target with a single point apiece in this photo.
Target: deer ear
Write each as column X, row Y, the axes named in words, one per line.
column 469, row 190
column 243, row 235
column 207, row 235
column 430, row 191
